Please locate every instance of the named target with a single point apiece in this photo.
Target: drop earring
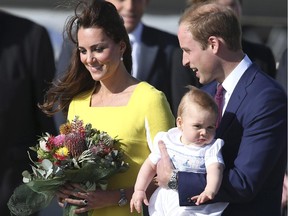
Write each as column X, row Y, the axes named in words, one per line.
column 121, row 58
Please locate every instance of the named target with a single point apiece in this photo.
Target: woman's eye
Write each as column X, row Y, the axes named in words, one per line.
column 82, row 51
column 98, row 49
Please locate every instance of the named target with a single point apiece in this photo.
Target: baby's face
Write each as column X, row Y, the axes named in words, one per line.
column 198, row 126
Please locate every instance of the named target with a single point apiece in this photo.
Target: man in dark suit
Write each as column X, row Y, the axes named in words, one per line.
column 282, row 70
column 282, row 79
column 258, row 53
column 26, row 68
column 152, row 48
column 254, row 117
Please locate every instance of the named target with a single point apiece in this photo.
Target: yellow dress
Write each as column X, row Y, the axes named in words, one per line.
column 147, row 113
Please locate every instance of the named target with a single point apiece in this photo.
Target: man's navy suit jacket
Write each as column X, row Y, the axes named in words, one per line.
column 254, row 130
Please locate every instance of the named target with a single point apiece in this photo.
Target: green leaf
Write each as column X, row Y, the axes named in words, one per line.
column 25, row 201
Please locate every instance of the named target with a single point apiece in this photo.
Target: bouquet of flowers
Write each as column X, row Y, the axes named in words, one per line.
column 79, row 154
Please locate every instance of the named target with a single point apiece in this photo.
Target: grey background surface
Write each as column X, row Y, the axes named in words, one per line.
column 264, row 21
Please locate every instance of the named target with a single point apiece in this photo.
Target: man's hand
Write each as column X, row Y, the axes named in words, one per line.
column 164, row 166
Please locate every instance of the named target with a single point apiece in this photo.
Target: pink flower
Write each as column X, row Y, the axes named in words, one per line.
column 59, row 140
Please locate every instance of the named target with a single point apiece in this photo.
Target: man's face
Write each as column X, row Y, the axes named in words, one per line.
column 201, row 61
column 131, row 11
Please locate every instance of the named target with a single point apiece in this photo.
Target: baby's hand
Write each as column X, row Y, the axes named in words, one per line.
column 136, row 201
column 203, row 197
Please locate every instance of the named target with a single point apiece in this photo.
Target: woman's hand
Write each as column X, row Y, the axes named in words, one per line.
column 63, row 193
column 164, row 166
column 86, row 200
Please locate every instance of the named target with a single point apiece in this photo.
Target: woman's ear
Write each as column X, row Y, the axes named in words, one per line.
column 122, row 47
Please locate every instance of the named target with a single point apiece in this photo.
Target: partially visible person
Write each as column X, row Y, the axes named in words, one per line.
column 282, row 79
column 254, row 120
column 192, row 148
column 151, row 48
column 276, row 39
column 180, row 77
column 99, row 88
column 284, row 196
column 258, row 53
column 27, row 67
column 281, row 76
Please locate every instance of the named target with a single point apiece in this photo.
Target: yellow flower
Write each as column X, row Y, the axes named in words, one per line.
column 65, row 128
column 62, row 153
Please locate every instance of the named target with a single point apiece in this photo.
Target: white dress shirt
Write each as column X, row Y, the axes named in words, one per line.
column 135, row 39
column 233, row 78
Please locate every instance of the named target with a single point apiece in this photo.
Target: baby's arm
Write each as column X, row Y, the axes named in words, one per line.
column 145, row 175
column 214, row 179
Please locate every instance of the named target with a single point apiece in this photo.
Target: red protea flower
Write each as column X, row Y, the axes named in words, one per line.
column 75, row 142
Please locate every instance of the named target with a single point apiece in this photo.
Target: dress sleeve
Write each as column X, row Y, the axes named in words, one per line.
column 158, row 116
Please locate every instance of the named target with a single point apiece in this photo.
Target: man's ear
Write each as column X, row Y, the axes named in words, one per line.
column 213, row 43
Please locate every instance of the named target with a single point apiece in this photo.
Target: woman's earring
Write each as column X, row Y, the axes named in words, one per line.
column 121, row 58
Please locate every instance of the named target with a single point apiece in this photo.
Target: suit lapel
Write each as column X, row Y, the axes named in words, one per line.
column 232, row 108
column 236, row 99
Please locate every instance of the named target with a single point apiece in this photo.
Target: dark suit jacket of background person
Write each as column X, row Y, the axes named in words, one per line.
column 155, row 59
column 281, row 75
column 181, row 77
column 254, row 130
column 261, row 55
column 26, row 65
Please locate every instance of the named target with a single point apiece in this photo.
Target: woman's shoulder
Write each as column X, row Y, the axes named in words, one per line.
column 149, row 95
column 148, row 90
column 83, row 96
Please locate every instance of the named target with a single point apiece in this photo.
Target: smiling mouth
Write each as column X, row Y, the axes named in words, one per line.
column 96, row 68
column 129, row 17
column 194, row 70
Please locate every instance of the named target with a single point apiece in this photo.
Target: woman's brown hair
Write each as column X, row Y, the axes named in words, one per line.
column 77, row 79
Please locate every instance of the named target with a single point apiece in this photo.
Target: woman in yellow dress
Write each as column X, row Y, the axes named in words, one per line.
column 99, row 88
